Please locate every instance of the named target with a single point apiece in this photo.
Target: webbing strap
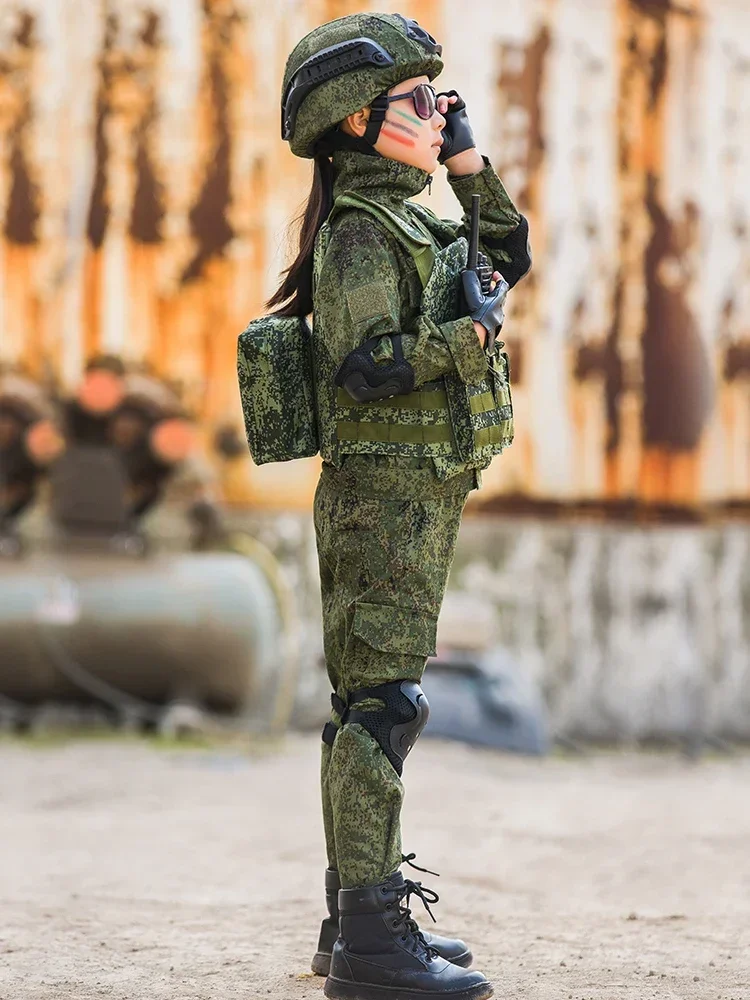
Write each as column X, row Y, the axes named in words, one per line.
column 352, row 430
column 494, row 434
column 421, row 399
column 329, row 733
column 483, row 402
column 329, row 729
column 378, row 108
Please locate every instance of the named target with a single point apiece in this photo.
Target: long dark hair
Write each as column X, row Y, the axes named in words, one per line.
column 297, row 284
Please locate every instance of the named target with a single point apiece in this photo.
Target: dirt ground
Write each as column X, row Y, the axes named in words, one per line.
column 132, row 871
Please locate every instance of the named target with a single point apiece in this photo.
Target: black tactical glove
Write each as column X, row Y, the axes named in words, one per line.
column 457, row 134
column 518, row 248
column 485, row 309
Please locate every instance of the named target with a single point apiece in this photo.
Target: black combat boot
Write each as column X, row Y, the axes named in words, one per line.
column 381, row 952
column 329, row 929
column 453, row 949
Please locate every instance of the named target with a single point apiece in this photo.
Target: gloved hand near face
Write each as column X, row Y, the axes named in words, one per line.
column 458, row 137
column 457, row 134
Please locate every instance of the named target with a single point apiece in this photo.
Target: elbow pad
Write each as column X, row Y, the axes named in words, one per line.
column 518, row 248
column 365, row 380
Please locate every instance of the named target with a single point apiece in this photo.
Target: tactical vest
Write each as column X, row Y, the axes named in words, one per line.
column 458, row 425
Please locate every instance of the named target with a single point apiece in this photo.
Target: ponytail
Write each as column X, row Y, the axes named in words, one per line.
column 297, row 283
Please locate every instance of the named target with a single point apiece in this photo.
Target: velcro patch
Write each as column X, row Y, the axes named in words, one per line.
column 367, row 302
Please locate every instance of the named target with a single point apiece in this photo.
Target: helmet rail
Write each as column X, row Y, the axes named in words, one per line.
column 325, row 65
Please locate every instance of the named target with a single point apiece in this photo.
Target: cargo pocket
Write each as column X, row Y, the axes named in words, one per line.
column 397, row 630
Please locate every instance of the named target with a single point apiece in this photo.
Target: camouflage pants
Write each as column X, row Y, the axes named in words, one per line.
column 386, row 531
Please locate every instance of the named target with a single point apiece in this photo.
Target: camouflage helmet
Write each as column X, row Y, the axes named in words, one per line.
column 343, row 65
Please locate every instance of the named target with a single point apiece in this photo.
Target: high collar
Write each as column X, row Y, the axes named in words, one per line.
column 388, row 182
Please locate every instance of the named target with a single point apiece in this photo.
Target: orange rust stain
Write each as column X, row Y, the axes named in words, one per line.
column 612, row 488
column 92, row 301
column 144, row 303
column 21, row 304
column 190, row 290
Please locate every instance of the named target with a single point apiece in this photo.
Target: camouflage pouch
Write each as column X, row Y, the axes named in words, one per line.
column 500, row 376
column 481, row 414
column 274, row 368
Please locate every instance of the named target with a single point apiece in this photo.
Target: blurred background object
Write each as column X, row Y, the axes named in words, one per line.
column 99, row 609
column 145, row 193
column 29, row 443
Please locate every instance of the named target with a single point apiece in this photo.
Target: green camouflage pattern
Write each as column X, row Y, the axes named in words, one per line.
column 386, row 531
column 413, row 236
column 481, row 411
column 365, row 798
column 368, row 284
column 387, row 518
column 328, row 828
column 331, row 101
column 274, row 369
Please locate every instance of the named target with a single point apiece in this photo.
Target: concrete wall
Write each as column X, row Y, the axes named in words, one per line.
column 630, row 634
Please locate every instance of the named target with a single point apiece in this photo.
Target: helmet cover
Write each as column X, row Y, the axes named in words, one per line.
column 343, row 65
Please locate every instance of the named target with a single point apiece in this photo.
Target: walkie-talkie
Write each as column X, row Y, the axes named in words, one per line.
column 476, row 260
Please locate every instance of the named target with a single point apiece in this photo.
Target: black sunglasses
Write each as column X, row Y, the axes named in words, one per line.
column 425, row 100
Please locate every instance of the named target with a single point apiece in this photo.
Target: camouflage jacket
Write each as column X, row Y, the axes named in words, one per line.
column 367, row 285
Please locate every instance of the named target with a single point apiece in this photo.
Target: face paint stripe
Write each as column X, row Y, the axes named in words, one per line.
column 403, row 128
column 417, row 121
column 397, row 137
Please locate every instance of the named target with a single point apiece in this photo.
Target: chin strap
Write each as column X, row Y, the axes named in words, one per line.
column 336, row 139
column 378, row 109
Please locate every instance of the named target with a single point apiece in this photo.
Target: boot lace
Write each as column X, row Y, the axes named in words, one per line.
column 409, row 860
column 406, row 922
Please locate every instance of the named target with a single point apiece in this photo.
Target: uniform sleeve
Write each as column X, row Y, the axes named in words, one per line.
column 359, row 296
column 503, row 232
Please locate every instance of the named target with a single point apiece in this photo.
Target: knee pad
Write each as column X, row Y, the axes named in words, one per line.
column 396, row 726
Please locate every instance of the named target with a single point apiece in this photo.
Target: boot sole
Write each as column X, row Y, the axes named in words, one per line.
column 321, row 963
column 338, row 989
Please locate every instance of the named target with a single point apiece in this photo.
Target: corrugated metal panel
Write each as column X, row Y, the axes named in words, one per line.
column 623, row 129
column 145, row 197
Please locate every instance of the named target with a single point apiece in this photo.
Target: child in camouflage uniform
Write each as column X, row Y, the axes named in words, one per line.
column 412, row 402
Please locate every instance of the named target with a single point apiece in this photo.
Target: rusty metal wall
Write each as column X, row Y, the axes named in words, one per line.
column 145, row 195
